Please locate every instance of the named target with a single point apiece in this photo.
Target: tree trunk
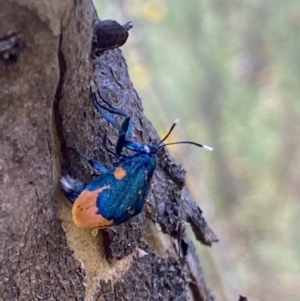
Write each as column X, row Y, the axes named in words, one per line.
column 45, row 75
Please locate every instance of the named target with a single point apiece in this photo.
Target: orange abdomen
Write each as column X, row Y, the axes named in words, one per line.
column 85, row 211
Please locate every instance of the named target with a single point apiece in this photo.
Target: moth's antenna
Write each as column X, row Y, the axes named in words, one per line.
column 161, row 145
column 188, row 142
column 170, row 131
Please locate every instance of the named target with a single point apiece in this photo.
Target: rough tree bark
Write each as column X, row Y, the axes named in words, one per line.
column 45, row 73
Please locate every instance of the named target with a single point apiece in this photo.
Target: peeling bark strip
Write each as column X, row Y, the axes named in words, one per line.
column 44, row 106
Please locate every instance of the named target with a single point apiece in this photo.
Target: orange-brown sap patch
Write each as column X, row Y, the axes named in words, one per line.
column 119, row 173
column 84, row 210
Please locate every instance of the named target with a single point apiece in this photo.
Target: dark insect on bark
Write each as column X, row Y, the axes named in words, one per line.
column 109, row 34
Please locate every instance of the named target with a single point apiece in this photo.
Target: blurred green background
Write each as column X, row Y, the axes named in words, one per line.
column 230, row 70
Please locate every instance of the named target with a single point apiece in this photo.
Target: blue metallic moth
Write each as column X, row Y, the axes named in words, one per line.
column 120, row 191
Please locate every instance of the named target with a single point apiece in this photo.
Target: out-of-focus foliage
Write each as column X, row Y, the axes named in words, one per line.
column 230, row 71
